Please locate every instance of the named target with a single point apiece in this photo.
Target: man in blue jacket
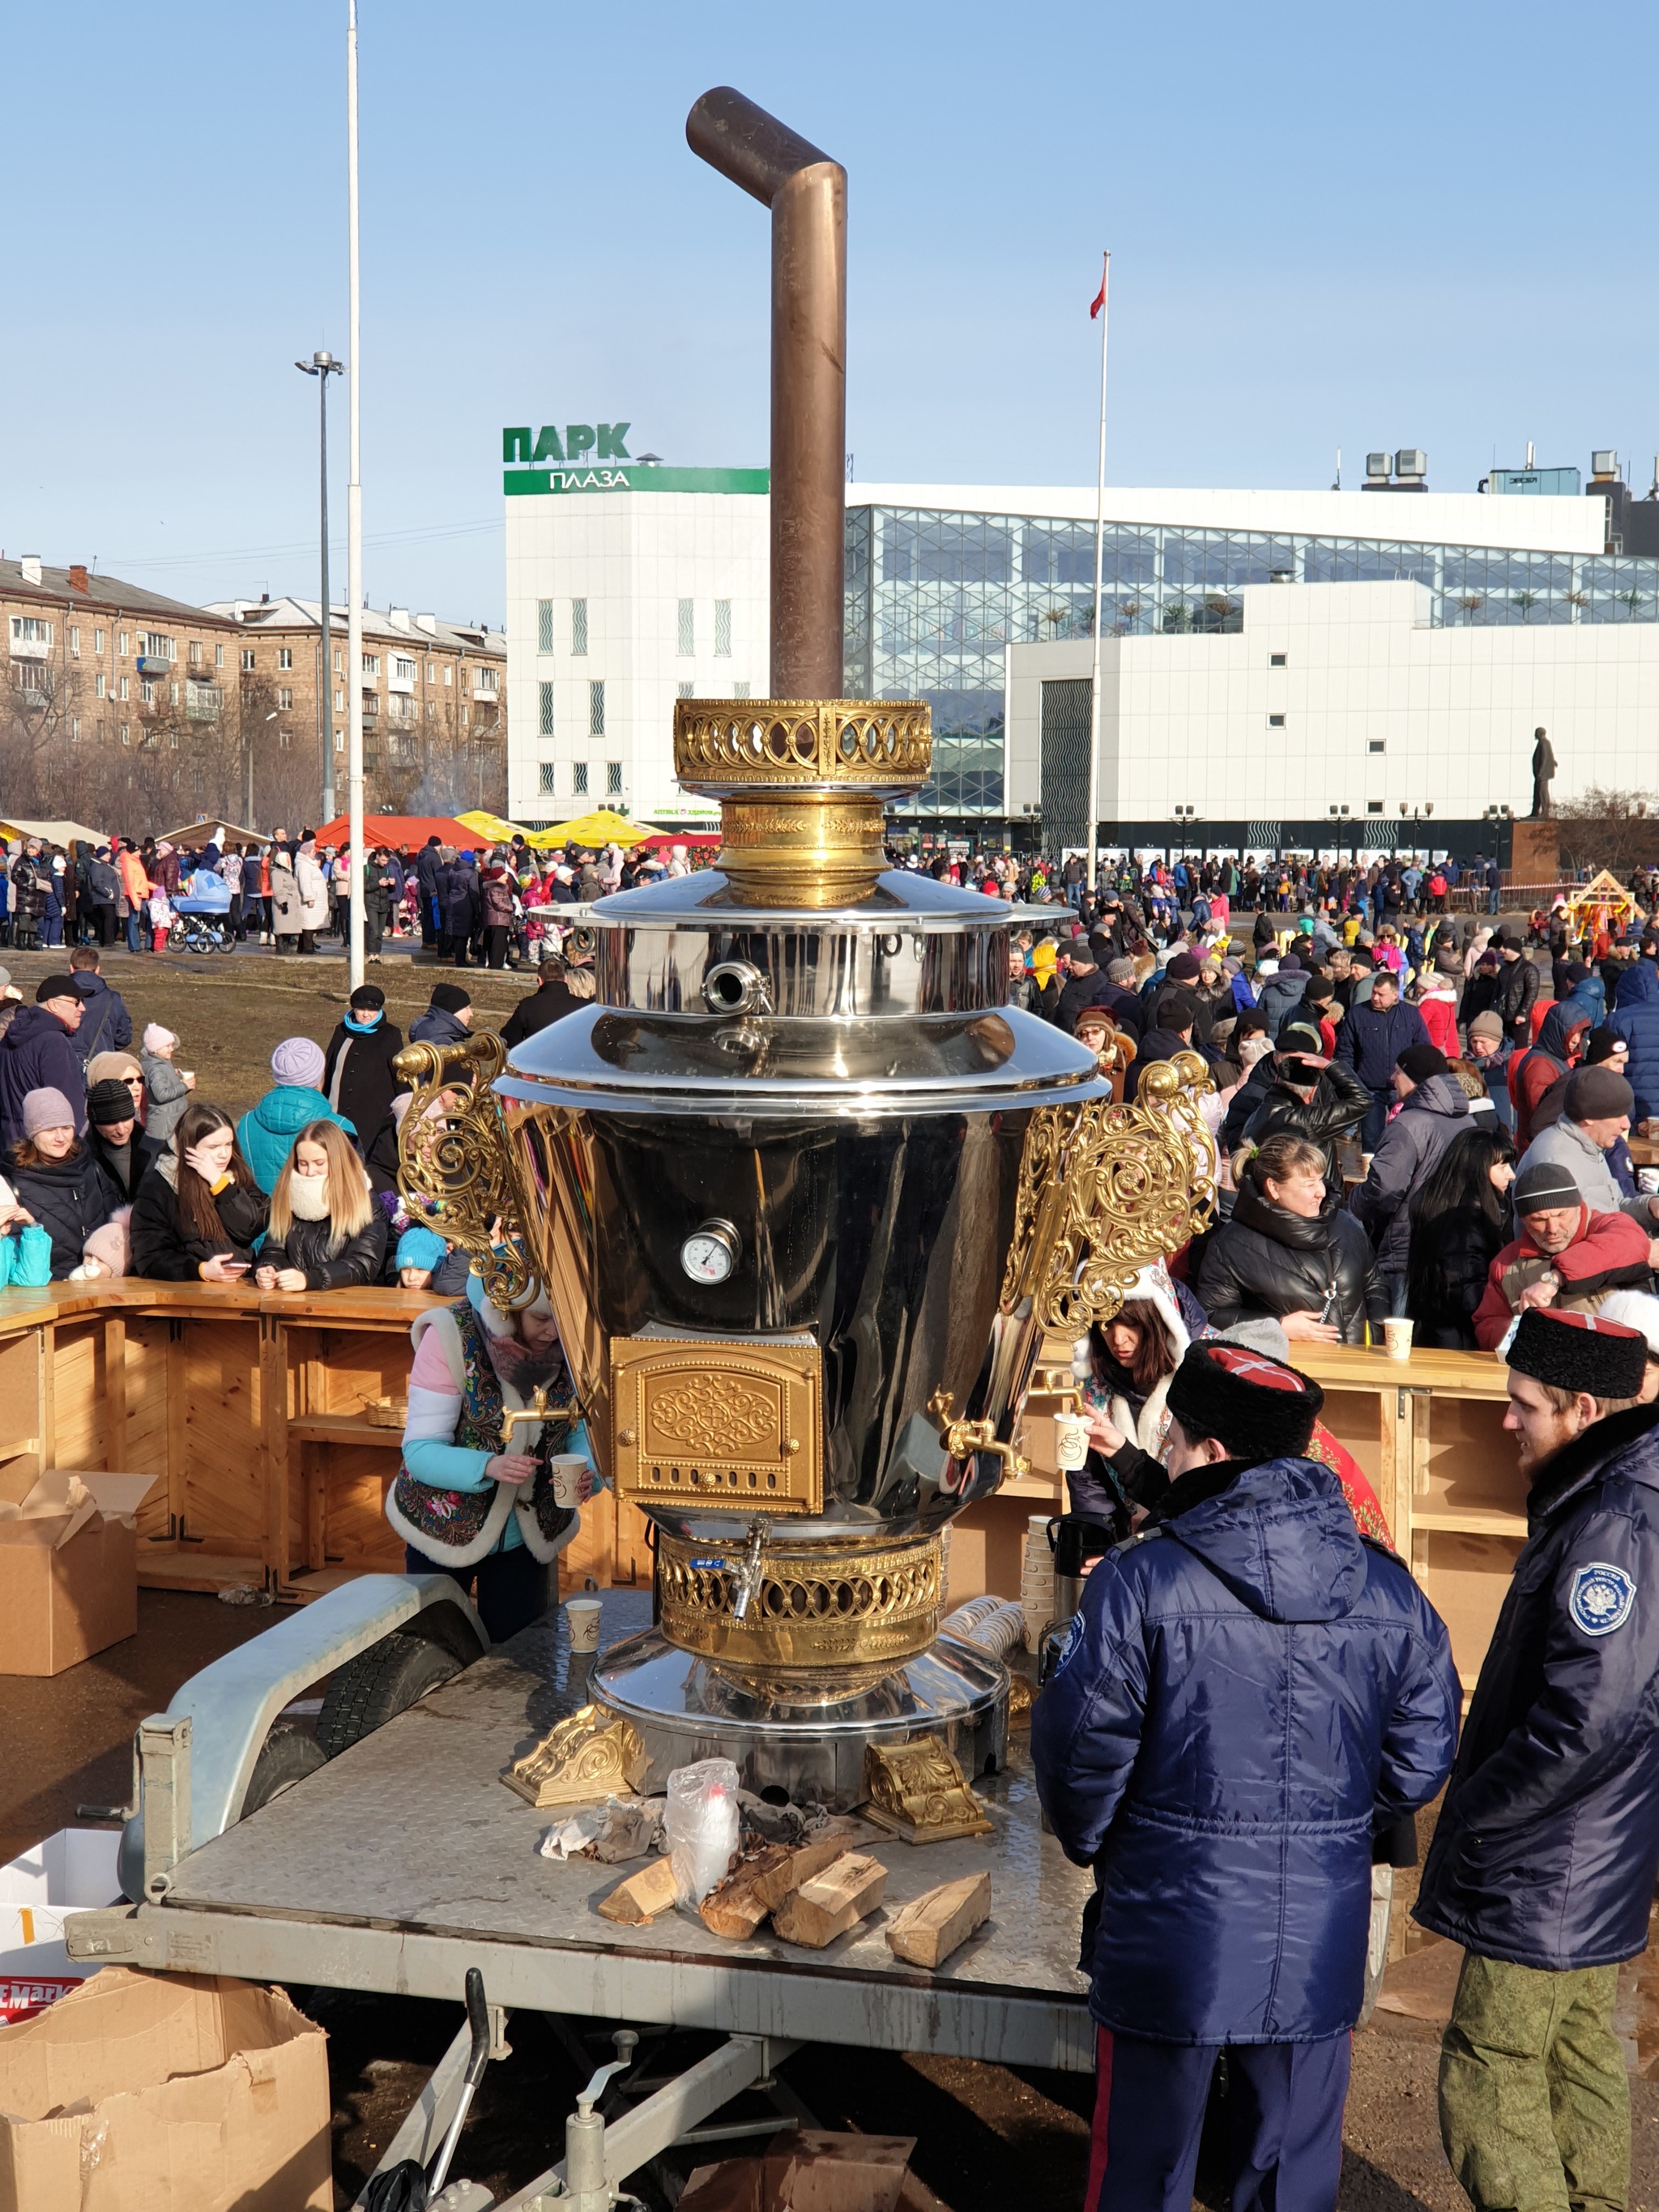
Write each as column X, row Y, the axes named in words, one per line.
column 1250, row 1695
column 1635, row 1017
column 1544, row 1857
column 1371, row 1042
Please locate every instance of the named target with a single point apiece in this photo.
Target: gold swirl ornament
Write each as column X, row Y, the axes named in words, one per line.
column 452, row 1153
column 1104, row 1190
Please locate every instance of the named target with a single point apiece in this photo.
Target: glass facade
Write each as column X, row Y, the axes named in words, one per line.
column 933, row 598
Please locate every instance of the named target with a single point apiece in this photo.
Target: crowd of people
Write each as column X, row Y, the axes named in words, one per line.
column 1426, row 1122
column 111, row 1165
column 484, row 905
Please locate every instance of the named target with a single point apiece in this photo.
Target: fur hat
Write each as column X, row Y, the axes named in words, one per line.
column 1579, row 1352
column 1256, row 1407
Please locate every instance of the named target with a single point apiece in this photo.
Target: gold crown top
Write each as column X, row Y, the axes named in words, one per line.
column 727, row 744
column 801, row 784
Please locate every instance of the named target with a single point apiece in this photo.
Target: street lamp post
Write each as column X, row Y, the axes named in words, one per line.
column 322, row 366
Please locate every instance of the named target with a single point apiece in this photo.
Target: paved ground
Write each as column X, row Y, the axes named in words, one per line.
column 988, row 2137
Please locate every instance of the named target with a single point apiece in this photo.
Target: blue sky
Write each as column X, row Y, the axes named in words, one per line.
column 1410, row 224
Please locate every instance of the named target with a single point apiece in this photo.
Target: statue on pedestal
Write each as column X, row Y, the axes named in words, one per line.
column 1543, row 773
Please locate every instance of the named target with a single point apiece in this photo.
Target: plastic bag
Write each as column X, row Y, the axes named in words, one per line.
column 701, row 1825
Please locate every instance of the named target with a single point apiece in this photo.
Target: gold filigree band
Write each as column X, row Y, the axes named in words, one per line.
column 834, row 1605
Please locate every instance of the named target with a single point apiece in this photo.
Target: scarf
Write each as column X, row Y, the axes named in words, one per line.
column 361, row 1029
column 519, row 1368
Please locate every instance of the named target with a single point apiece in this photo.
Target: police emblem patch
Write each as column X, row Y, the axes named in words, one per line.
column 1601, row 1598
column 1068, row 1649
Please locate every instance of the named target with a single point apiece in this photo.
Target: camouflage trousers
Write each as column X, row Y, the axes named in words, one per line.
column 1534, row 2102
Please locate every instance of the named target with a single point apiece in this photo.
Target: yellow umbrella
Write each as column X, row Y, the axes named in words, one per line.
column 492, row 826
column 602, row 827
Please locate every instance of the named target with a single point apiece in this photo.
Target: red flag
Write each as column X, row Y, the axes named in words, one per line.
column 1099, row 299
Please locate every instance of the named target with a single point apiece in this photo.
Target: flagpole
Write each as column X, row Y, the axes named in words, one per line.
column 354, row 539
column 1100, row 558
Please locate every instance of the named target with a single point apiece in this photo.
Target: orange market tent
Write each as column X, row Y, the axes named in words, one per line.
column 391, row 830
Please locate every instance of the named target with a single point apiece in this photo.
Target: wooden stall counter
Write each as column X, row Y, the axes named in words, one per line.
column 1428, row 1432
column 272, row 1418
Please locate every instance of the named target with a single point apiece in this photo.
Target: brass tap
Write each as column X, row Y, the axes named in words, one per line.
column 962, row 1438
column 537, row 1410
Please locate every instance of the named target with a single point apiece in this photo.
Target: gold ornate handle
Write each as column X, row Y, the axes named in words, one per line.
column 537, row 1410
column 451, row 1153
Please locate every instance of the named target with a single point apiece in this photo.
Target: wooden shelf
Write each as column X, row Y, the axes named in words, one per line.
column 301, row 1589
column 345, row 1429
column 1468, row 1520
column 23, row 1444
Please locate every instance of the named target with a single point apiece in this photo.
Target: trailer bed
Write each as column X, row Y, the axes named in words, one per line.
column 407, row 1858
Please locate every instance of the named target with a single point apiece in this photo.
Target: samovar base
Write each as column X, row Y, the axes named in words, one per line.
column 687, row 1708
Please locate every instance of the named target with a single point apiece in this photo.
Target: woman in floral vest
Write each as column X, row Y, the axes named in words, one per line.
column 462, row 1502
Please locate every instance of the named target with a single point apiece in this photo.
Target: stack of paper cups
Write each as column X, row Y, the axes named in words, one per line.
column 1037, row 1579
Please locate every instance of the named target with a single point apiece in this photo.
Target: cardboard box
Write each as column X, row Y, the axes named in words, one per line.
column 69, row 1871
column 68, row 1568
column 813, row 2171
column 137, row 2092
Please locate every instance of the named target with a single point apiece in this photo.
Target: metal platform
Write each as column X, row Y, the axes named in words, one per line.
column 406, row 1859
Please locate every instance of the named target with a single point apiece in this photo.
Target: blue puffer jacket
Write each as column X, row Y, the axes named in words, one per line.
column 1635, row 1017
column 1548, row 1845
column 1248, row 1695
column 265, row 1134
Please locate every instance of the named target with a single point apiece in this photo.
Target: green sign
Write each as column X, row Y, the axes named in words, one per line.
column 608, row 442
column 639, row 475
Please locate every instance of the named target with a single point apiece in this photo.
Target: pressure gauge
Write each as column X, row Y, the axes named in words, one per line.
column 709, row 1254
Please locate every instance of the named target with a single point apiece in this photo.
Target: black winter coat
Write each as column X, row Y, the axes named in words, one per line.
column 166, row 1251
column 1548, row 1845
column 539, row 1009
column 359, row 1262
column 1448, row 1258
column 142, row 1154
column 367, row 1086
column 1517, row 992
column 37, row 1052
column 1341, row 1102
column 70, row 1198
column 1265, row 1260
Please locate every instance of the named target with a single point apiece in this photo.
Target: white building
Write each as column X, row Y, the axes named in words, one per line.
column 627, row 586
column 1270, row 660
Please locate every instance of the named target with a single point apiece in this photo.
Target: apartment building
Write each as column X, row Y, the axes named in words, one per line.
column 93, row 660
column 434, row 693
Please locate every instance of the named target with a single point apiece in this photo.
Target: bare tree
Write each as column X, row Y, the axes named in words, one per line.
column 1615, row 829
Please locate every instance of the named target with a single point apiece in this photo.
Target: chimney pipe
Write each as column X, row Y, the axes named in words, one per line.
column 806, row 192
column 78, row 578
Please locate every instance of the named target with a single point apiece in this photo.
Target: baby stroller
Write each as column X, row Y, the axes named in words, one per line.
column 203, row 914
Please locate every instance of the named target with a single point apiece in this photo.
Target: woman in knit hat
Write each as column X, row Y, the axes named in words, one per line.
column 123, row 1067
column 57, row 1179
column 266, row 1133
column 167, row 1088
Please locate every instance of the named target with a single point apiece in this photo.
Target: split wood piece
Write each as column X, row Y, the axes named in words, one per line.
column 831, row 1902
column 802, row 1863
column 928, row 1930
column 734, row 1908
column 643, row 1895
column 757, row 1886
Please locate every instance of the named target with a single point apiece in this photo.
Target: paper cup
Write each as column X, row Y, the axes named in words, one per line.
column 582, row 1617
column 1397, row 1337
column 566, row 1469
column 1071, row 1442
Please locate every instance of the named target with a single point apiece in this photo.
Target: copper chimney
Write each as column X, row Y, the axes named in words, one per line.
column 806, row 192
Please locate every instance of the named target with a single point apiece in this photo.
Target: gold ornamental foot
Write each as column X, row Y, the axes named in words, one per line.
column 583, row 1758
column 917, row 1792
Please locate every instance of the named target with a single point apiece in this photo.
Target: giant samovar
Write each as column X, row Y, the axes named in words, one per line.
column 804, row 1191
